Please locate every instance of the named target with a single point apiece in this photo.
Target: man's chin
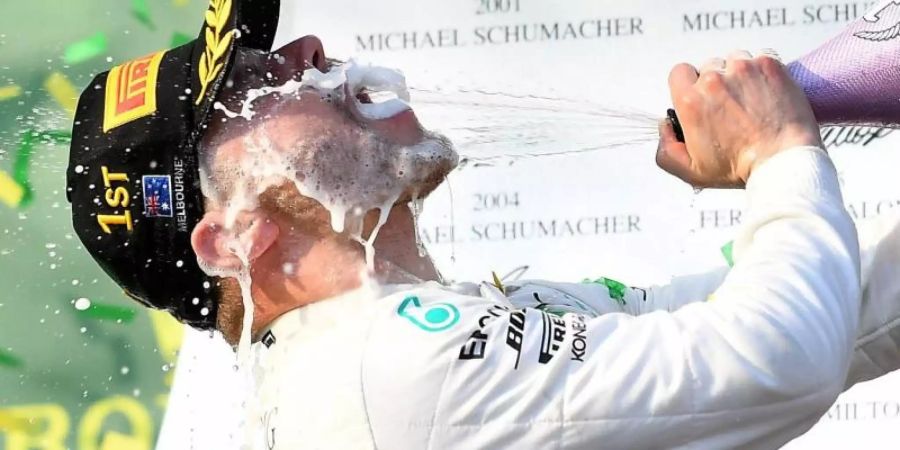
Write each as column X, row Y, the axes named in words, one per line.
column 442, row 160
column 423, row 189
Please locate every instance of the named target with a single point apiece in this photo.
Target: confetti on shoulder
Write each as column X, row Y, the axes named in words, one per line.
column 728, row 253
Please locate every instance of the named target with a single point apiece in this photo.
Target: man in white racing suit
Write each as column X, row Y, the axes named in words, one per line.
column 750, row 363
column 477, row 368
column 877, row 347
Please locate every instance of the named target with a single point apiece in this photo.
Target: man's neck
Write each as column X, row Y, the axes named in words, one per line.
column 398, row 260
column 398, row 256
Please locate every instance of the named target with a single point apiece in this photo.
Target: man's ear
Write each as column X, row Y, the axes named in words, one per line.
column 215, row 244
column 294, row 58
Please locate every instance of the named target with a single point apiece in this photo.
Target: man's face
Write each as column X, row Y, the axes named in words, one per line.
column 316, row 163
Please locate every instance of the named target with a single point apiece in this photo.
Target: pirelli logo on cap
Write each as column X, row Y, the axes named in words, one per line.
column 131, row 91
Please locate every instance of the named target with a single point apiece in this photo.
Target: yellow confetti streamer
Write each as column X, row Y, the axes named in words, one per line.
column 11, row 192
column 169, row 334
column 63, row 91
column 8, row 92
column 498, row 282
column 117, row 441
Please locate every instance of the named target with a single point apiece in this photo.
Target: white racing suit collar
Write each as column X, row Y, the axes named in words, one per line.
column 311, row 319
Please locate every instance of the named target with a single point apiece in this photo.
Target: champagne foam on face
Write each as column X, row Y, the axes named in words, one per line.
column 366, row 174
column 371, row 174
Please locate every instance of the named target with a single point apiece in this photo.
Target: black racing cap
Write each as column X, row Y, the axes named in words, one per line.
column 133, row 177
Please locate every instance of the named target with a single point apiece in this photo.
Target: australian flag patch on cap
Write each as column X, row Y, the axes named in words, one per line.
column 157, row 195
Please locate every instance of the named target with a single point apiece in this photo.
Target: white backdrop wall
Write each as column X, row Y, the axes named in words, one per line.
column 608, row 212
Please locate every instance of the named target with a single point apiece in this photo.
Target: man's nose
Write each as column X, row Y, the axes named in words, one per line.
column 298, row 56
column 402, row 129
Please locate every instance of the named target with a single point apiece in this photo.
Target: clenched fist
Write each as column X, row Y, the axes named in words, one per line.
column 736, row 113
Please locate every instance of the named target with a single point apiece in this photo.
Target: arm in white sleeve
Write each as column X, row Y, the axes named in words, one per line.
column 877, row 349
column 877, row 346
column 779, row 333
column 754, row 368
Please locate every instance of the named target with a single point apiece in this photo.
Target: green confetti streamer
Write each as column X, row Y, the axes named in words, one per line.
column 86, row 49
column 9, row 360
column 108, row 313
column 616, row 289
column 56, row 137
column 141, row 12
column 179, row 39
column 26, row 151
column 728, row 253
